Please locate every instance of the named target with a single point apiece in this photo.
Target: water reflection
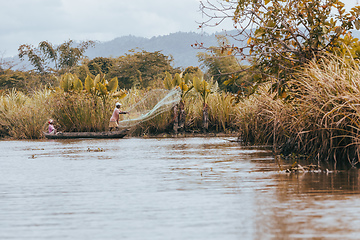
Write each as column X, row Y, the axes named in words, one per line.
column 194, row 188
column 343, row 182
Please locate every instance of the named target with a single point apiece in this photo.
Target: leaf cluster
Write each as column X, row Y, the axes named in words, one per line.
column 280, row 36
column 48, row 58
column 101, row 87
column 98, row 86
column 187, row 83
column 226, row 69
column 140, row 68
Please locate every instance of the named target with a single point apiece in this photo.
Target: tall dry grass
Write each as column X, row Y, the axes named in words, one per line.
column 26, row 116
column 322, row 121
column 263, row 119
column 222, row 111
column 328, row 106
column 22, row 116
column 80, row 112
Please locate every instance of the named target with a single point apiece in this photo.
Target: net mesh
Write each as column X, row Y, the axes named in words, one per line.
column 155, row 102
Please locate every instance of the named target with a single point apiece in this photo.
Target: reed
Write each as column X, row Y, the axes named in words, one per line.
column 328, row 107
column 80, row 112
column 261, row 118
column 22, row 116
column 322, row 121
column 193, row 109
column 26, row 116
column 222, row 113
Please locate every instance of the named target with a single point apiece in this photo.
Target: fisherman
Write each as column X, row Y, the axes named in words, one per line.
column 51, row 128
column 114, row 120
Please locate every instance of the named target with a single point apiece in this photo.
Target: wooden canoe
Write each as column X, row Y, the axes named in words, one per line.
column 72, row 135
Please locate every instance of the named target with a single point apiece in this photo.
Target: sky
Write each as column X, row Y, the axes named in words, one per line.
column 56, row 21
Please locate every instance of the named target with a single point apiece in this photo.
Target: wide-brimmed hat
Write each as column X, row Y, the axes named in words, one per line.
column 118, row 104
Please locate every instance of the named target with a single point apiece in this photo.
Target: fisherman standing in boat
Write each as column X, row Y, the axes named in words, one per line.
column 114, row 120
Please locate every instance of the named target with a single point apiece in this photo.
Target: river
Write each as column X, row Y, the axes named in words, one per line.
column 167, row 188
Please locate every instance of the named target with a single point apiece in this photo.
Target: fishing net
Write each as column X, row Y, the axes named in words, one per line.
column 155, row 102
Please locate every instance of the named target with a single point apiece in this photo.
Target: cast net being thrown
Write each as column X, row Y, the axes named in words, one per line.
column 155, row 102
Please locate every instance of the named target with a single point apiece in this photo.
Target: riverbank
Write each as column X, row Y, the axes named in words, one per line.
column 234, row 135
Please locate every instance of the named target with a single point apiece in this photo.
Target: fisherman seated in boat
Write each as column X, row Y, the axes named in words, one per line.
column 114, row 120
column 52, row 129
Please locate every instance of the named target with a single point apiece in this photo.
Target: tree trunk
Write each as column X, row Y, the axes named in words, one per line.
column 182, row 116
column 176, row 119
column 205, row 117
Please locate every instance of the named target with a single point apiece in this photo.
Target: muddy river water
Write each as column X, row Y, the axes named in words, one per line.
column 167, row 188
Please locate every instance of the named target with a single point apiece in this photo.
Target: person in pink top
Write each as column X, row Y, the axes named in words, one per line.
column 114, row 120
column 51, row 128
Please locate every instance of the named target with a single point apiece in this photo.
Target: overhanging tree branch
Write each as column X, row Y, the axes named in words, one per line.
column 283, row 34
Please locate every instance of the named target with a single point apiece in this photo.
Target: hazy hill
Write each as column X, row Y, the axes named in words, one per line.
column 177, row 45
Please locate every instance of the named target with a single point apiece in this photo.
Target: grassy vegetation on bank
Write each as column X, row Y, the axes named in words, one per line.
column 25, row 116
column 320, row 121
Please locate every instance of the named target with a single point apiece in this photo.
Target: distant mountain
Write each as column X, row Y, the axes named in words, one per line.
column 177, row 45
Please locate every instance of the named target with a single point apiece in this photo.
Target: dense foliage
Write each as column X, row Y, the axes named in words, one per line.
column 280, row 36
column 226, row 69
column 140, row 68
